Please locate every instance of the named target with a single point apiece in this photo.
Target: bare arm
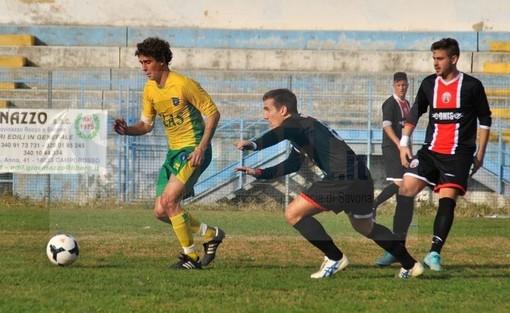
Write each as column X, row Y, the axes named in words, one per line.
column 139, row 128
column 246, row 145
column 483, row 137
column 391, row 134
column 405, row 149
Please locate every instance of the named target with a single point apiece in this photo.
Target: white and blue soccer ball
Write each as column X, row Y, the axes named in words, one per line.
column 63, row 249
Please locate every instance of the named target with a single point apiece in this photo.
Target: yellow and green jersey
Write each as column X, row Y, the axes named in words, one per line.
column 180, row 105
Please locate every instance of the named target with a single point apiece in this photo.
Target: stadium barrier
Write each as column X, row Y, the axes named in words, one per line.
column 348, row 102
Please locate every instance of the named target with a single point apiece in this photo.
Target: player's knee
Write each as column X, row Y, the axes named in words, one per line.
column 405, row 190
column 160, row 214
column 291, row 217
column 169, row 204
column 363, row 226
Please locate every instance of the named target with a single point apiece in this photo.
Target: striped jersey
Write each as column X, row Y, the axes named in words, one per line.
column 396, row 111
column 180, row 105
column 455, row 109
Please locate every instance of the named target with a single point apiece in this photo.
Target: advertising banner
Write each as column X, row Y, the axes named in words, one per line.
column 50, row 141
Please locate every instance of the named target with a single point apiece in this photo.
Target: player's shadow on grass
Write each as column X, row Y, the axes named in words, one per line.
column 476, row 271
column 363, row 271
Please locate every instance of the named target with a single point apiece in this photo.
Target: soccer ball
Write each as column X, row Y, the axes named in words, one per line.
column 63, row 249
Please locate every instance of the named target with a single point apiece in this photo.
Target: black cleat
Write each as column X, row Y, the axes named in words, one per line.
column 186, row 263
column 211, row 247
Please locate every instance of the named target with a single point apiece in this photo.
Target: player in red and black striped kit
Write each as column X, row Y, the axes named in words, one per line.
column 457, row 106
column 347, row 184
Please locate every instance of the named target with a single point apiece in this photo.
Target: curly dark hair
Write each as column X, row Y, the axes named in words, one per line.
column 155, row 47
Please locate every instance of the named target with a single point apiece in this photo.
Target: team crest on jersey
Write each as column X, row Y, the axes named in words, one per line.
column 175, row 101
column 414, row 163
column 446, row 97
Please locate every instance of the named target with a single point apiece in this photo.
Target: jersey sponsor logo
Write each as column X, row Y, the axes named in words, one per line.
column 170, row 120
column 447, row 116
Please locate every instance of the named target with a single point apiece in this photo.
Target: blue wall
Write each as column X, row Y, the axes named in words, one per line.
column 253, row 39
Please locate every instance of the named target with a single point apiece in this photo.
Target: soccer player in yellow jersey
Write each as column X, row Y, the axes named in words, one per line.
column 180, row 103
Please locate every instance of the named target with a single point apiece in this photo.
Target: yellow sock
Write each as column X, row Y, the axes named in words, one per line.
column 194, row 224
column 209, row 234
column 182, row 229
column 201, row 229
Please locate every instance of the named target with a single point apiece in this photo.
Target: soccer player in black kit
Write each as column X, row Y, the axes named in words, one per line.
column 457, row 105
column 395, row 110
column 346, row 186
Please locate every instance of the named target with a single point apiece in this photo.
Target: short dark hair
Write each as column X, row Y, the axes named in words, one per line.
column 450, row 45
column 155, row 47
column 282, row 97
column 398, row 76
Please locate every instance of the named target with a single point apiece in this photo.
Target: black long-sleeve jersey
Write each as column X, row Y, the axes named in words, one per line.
column 315, row 140
column 454, row 107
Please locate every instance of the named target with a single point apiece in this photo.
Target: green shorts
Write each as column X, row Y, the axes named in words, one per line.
column 176, row 164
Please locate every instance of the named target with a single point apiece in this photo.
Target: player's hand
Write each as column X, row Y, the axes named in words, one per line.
column 477, row 163
column 120, row 126
column 196, row 157
column 405, row 155
column 244, row 145
column 247, row 170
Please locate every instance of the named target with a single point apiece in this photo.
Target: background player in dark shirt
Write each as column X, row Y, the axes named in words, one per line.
column 457, row 103
column 347, row 184
column 395, row 110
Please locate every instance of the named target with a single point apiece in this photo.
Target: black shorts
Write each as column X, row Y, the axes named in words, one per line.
column 354, row 197
column 392, row 165
column 441, row 170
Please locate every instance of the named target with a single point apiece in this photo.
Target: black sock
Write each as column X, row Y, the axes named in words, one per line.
column 313, row 231
column 443, row 223
column 385, row 194
column 403, row 216
column 385, row 239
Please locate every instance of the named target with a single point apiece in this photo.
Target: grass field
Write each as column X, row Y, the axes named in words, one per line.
column 262, row 266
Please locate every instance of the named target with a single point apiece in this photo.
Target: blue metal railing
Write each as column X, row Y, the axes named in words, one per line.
column 349, row 102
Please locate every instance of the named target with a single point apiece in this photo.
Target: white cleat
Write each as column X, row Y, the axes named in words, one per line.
column 416, row 271
column 330, row 267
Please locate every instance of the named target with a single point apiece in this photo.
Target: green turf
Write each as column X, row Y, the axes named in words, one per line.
column 263, row 265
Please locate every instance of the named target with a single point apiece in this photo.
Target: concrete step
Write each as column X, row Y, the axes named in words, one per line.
column 259, row 59
column 491, row 62
column 241, row 59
